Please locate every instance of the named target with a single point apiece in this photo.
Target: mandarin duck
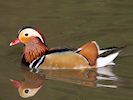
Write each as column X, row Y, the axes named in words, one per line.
column 91, row 78
column 38, row 56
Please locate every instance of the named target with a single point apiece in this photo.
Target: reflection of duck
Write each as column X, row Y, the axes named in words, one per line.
column 90, row 78
column 38, row 56
column 86, row 77
column 31, row 84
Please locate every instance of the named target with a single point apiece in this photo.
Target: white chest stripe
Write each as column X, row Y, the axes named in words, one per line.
column 31, row 64
column 36, row 63
column 39, row 62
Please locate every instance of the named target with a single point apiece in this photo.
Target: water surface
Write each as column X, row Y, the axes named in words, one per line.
column 68, row 23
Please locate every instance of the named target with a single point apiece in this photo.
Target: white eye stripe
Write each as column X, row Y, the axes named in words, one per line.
column 32, row 32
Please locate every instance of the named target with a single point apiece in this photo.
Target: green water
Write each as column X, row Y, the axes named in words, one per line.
column 68, row 23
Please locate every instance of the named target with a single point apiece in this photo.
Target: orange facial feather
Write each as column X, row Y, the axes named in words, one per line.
column 34, row 49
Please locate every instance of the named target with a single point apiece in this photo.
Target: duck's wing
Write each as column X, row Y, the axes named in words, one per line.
column 90, row 52
column 99, row 57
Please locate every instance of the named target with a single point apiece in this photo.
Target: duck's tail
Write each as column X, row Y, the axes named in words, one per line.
column 108, row 55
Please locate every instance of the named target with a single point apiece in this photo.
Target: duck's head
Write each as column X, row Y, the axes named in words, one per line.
column 27, row 35
column 34, row 42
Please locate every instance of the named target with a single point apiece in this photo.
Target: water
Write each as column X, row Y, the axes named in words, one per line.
column 69, row 23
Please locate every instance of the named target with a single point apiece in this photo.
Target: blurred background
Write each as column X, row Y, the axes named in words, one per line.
column 68, row 23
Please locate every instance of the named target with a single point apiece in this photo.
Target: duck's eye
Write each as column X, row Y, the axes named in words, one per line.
column 26, row 91
column 26, row 34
